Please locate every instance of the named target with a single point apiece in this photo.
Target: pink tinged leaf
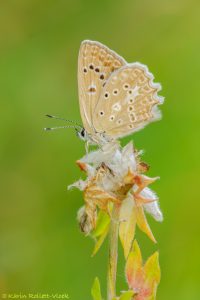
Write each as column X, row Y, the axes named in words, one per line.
column 142, row 279
column 127, row 225
column 134, row 272
column 143, row 224
column 144, row 294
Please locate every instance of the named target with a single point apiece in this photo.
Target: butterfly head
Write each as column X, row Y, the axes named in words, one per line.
column 82, row 134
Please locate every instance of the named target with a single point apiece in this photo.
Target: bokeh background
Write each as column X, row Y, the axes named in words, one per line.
column 41, row 248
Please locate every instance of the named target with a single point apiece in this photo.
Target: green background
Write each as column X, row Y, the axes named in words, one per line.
column 41, row 248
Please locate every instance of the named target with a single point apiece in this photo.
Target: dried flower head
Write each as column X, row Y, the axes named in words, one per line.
column 116, row 175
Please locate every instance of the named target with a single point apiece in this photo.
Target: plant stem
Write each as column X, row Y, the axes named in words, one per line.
column 113, row 253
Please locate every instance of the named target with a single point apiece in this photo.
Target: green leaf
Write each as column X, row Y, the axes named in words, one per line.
column 103, row 220
column 127, row 295
column 96, row 290
column 152, row 270
column 100, row 240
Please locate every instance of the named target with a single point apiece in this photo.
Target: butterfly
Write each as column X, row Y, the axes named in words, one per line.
column 116, row 98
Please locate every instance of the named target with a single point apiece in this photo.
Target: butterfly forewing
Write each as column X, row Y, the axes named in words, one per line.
column 96, row 63
column 128, row 101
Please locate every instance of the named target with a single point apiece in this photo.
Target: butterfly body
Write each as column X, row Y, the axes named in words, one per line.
column 93, row 138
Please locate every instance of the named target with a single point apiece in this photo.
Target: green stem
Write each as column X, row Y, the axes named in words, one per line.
column 113, row 253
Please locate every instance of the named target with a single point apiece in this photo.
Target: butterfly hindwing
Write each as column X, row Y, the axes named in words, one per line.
column 96, row 63
column 128, row 101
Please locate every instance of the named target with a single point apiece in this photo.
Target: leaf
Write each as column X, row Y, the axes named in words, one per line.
column 100, row 240
column 152, row 270
column 143, row 224
column 127, row 224
column 96, row 290
column 127, row 295
column 134, row 272
column 103, row 220
column 143, row 279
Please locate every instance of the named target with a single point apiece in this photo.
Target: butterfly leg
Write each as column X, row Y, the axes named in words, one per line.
column 87, row 147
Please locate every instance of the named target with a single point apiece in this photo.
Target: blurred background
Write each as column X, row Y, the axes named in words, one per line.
column 41, row 248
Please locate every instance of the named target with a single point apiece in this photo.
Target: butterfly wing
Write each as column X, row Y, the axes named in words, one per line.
column 95, row 64
column 128, row 101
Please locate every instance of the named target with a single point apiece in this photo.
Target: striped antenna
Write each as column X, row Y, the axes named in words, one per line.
column 60, row 127
column 62, row 119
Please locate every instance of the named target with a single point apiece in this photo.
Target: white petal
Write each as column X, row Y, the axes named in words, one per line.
column 90, row 171
column 153, row 207
column 128, row 157
column 105, row 154
column 123, row 160
column 80, row 184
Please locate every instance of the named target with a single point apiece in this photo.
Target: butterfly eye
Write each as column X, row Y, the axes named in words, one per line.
column 97, row 70
column 101, row 113
column 82, row 133
column 85, row 70
column 101, row 77
column 91, row 67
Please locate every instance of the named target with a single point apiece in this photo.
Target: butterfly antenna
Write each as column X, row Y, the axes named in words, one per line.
column 62, row 119
column 59, row 127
